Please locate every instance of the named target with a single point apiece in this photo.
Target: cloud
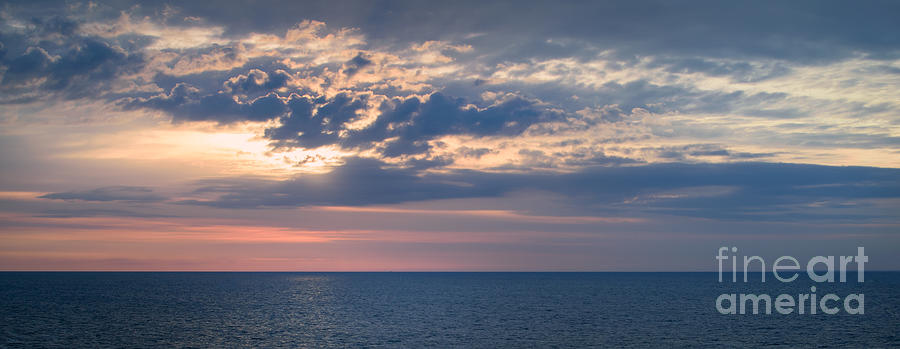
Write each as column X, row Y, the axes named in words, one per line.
column 744, row 191
column 257, row 81
column 314, row 122
column 186, row 103
column 404, row 125
column 368, row 86
column 511, row 126
column 704, row 152
column 473, row 152
column 797, row 31
column 204, row 59
column 55, row 25
column 97, row 212
column 354, row 65
column 738, row 71
column 84, row 68
column 113, row 193
column 656, row 98
column 360, row 181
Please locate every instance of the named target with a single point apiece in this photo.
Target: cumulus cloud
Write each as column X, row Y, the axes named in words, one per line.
column 403, row 91
column 185, row 103
column 257, row 81
column 401, row 126
column 80, row 70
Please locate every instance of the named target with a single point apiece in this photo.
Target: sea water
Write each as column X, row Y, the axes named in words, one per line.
column 413, row 310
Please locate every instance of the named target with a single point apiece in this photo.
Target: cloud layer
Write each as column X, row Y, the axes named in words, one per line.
column 548, row 118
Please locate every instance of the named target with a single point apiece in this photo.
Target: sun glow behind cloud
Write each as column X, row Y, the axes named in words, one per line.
column 235, row 151
column 422, row 142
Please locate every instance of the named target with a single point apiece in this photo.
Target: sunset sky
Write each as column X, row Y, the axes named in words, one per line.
column 456, row 135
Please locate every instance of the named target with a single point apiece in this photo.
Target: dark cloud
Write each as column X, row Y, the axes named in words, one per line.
column 805, row 31
column 257, row 81
column 750, row 191
column 358, row 62
column 537, row 159
column 442, row 115
column 186, row 103
column 315, row 122
column 97, row 212
column 401, row 126
column 405, row 124
column 476, row 153
column 799, row 31
column 846, row 140
column 704, row 151
column 83, row 69
column 47, row 55
column 55, row 25
column 360, row 181
column 583, row 157
column 113, row 193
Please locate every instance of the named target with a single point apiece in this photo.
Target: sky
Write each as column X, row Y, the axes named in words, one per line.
column 446, row 136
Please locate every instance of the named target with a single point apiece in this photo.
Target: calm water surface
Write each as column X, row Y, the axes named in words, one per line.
column 481, row 310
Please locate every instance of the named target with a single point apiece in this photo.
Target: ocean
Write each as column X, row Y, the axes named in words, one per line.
column 415, row 310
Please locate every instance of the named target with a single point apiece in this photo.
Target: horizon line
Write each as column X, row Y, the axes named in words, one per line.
column 399, row 271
